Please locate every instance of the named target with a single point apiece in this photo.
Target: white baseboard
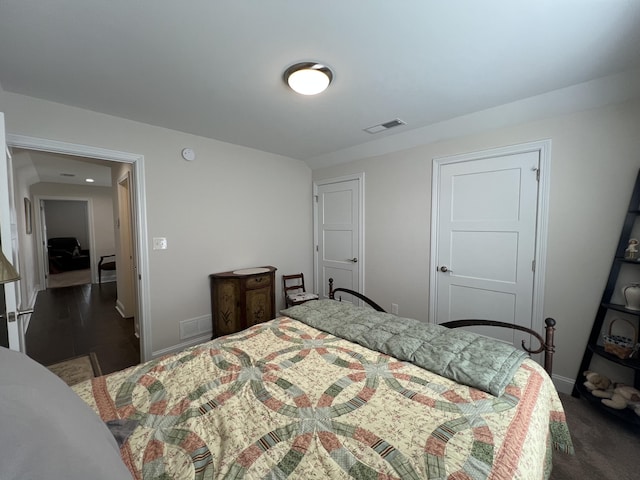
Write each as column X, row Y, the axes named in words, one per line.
column 120, row 308
column 563, row 384
column 181, row 346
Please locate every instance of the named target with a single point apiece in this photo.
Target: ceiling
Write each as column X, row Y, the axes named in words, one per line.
column 214, row 67
column 58, row 168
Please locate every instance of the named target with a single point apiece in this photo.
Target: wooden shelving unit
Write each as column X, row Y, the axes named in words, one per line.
column 630, row 267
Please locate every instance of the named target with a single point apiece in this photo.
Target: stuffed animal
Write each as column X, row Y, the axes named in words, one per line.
column 624, row 396
column 596, row 381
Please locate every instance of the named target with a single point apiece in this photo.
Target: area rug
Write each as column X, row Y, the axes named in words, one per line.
column 69, row 279
column 77, row 369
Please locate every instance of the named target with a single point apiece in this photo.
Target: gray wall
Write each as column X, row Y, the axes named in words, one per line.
column 233, row 207
column 594, row 163
column 237, row 207
column 67, row 218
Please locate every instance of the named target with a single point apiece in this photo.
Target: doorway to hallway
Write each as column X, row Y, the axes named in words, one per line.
column 79, row 320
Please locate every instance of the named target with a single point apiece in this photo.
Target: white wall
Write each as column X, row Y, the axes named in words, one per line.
column 24, row 176
column 595, row 157
column 233, row 207
column 68, row 218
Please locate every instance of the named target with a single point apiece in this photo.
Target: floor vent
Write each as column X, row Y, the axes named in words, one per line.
column 385, row 126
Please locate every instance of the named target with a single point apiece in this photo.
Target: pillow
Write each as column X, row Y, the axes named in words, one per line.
column 47, row 431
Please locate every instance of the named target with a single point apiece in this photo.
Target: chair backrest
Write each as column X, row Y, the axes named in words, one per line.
column 292, row 282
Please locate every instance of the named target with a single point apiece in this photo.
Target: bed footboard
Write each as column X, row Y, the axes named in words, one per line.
column 546, row 344
column 371, row 303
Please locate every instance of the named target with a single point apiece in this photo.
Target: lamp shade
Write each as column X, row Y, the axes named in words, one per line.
column 7, row 272
column 308, row 78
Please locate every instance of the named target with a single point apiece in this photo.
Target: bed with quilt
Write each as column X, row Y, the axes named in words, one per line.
column 329, row 391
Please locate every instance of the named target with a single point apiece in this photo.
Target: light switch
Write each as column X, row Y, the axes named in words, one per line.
column 159, row 243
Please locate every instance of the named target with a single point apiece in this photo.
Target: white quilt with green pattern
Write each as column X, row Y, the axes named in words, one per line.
column 286, row 400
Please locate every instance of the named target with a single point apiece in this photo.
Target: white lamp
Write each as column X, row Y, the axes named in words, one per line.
column 308, row 78
column 7, row 272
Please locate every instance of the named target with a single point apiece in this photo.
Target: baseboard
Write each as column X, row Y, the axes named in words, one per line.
column 180, row 346
column 120, row 308
column 563, row 384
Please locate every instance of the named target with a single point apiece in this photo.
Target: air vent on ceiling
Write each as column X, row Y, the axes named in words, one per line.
column 385, row 126
column 67, row 174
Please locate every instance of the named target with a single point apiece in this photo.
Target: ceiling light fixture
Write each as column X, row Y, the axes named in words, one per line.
column 89, row 180
column 308, row 78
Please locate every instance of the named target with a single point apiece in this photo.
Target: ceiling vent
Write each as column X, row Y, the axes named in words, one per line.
column 67, row 174
column 385, row 126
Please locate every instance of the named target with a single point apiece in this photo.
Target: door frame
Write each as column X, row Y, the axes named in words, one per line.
column 43, row 274
column 543, row 147
column 127, row 246
column 139, row 210
column 361, row 254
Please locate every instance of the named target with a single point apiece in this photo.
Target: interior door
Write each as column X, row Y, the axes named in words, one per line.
column 9, row 239
column 45, row 241
column 126, row 263
column 338, row 231
column 486, row 241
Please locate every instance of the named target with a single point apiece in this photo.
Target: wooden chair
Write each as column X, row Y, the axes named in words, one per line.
column 102, row 265
column 294, row 291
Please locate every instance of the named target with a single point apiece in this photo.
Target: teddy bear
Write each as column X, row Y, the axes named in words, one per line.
column 624, row 396
column 599, row 385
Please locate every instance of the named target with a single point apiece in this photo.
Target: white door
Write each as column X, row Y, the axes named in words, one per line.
column 486, row 240
column 339, row 235
column 125, row 263
column 45, row 241
column 9, row 239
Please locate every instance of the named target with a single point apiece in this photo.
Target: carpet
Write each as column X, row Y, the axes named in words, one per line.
column 77, row 369
column 606, row 448
column 69, row 279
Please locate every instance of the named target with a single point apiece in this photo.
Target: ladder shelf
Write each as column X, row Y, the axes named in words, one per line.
column 623, row 271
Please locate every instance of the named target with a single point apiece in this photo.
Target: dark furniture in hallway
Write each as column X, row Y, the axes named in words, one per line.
column 66, row 254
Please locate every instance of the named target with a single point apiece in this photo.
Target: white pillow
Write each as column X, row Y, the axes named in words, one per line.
column 47, row 431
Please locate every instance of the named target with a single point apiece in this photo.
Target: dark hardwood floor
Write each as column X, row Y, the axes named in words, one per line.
column 72, row 321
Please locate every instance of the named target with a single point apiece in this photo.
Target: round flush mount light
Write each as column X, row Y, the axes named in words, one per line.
column 308, row 78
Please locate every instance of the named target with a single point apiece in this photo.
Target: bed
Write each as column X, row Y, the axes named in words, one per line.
column 291, row 398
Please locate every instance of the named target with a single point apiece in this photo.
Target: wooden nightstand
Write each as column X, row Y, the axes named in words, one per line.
column 241, row 298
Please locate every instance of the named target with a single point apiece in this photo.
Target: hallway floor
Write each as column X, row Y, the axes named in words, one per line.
column 76, row 320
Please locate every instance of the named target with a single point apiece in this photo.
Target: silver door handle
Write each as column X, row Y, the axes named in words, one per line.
column 12, row 316
column 354, row 259
column 445, row 269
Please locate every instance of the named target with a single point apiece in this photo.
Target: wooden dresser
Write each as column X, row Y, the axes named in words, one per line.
column 241, row 298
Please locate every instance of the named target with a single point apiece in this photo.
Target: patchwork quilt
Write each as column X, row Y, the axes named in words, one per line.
column 286, row 400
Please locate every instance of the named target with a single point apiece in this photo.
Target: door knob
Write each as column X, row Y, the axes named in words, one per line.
column 12, row 316
column 445, row 269
column 354, row 260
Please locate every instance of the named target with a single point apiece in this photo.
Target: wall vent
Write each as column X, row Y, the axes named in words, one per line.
column 192, row 327
column 385, row 126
